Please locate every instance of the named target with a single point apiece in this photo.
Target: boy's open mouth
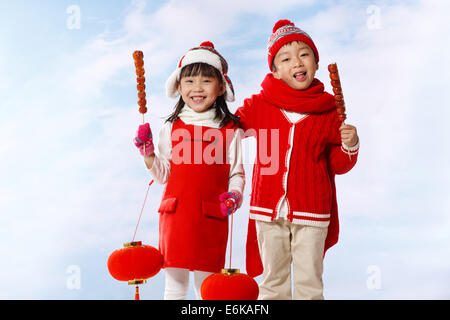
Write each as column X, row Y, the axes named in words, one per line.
column 300, row 76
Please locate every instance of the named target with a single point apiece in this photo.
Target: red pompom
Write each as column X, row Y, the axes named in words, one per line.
column 281, row 23
column 207, row 44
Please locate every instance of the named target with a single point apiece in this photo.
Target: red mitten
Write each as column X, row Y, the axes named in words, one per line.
column 148, row 150
column 144, row 137
column 229, row 202
column 143, row 134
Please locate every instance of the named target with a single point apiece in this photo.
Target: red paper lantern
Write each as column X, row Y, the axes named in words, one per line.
column 135, row 263
column 230, row 284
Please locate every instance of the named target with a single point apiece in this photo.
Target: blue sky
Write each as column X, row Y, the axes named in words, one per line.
column 72, row 183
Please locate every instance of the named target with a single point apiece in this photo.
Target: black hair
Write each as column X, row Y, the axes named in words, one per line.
column 220, row 105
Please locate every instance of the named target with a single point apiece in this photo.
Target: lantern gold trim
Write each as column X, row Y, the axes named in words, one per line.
column 132, row 244
column 230, row 272
column 137, row 281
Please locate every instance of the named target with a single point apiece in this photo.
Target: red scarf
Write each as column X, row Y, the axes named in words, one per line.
column 312, row 100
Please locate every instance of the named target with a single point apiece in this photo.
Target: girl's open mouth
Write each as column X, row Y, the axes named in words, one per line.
column 198, row 99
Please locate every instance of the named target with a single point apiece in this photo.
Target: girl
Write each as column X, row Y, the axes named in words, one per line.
column 199, row 159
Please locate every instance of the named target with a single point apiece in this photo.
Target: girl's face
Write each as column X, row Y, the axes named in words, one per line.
column 199, row 92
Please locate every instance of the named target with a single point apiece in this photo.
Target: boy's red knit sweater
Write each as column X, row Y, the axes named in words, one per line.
column 310, row 153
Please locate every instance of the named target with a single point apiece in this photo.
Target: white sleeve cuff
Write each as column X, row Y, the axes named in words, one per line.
column 350, row 150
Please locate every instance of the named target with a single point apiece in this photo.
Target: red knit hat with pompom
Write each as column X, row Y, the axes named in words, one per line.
column 285, row 31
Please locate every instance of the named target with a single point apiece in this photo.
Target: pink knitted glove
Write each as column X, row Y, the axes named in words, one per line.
column 144, row 137
column 229, row 202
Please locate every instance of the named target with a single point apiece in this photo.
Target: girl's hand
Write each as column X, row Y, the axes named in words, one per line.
column 348, row 135
column 229, row 202
column 143, row 134
column 144, row 140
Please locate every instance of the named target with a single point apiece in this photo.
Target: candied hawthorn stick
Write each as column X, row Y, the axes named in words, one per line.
column 138, row 57
column 337, row 90
column 338, row 95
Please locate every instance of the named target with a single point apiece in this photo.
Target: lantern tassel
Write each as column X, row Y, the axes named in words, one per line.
column 136, row 295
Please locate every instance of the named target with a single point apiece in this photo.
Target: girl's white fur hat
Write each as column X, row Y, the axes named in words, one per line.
column 207, row 54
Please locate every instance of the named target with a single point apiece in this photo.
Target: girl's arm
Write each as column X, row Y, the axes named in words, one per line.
column 234, row 158
column 149, row 161
column 158, row 164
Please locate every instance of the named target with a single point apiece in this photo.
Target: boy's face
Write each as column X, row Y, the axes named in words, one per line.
column 295, row 64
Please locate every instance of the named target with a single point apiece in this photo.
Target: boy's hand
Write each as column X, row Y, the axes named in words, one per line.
column 348, row 135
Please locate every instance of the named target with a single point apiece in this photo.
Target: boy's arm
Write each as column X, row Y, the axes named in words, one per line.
column 342, row 157
column 247, row 114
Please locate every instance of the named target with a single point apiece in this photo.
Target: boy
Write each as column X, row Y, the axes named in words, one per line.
column 293, row 212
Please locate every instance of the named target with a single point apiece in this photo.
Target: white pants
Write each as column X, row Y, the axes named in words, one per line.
column 282, row 243
column 177, row 283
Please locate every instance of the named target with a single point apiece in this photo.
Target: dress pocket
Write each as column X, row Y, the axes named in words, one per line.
column 212, row 210
column 168, row 205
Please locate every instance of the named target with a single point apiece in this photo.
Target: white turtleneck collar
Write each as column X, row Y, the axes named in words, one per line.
column 206, row 118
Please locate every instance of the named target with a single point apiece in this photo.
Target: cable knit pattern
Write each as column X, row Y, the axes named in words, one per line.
column 303, row 175
column 309, row 155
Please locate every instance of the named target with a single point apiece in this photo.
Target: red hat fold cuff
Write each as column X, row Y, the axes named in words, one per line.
column 284, row 32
